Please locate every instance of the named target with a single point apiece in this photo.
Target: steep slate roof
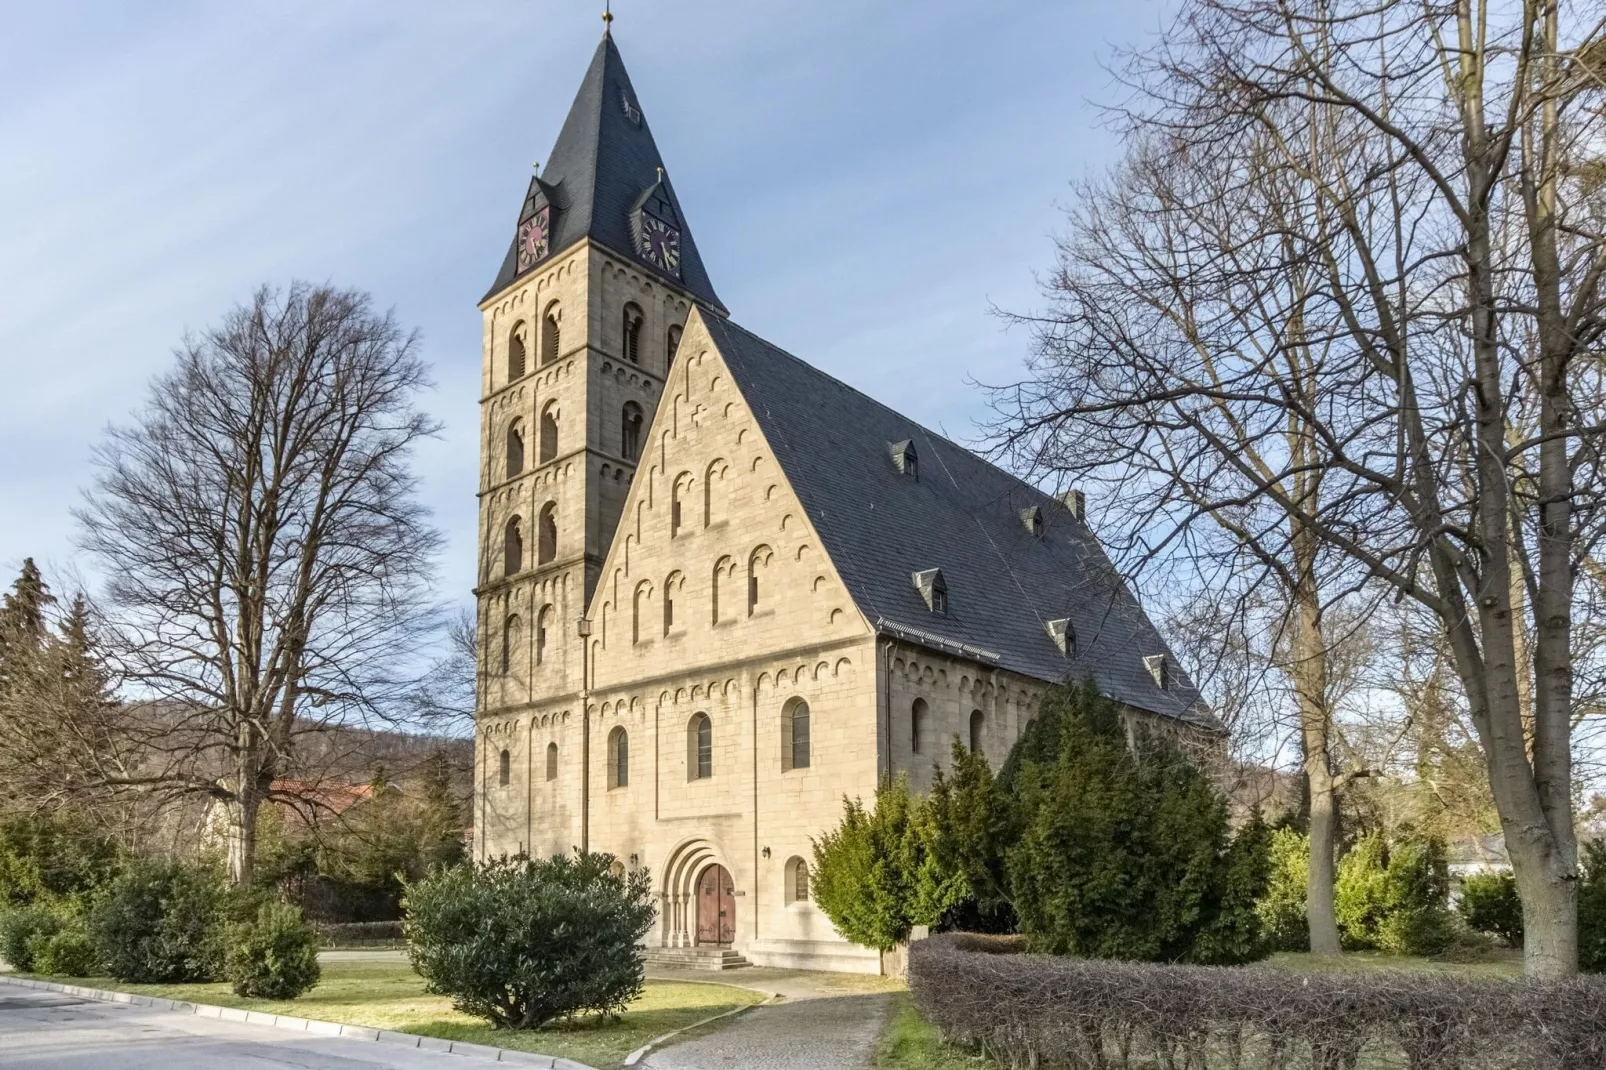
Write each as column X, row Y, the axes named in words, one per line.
column 962, row 515
column 598, row 171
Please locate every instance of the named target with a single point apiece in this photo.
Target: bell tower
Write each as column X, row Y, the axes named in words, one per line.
column 580, row 331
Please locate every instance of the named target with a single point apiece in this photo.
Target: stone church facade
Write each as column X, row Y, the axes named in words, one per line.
column 720, row 590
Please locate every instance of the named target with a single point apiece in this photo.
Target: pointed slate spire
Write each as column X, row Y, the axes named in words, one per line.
column 603, row 174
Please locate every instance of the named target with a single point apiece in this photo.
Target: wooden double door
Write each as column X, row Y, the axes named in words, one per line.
column 716, row 907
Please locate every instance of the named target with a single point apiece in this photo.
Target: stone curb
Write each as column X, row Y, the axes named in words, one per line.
column 641, row 1053
column 308, row 1025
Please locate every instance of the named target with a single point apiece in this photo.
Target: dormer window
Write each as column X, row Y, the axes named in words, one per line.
column 1064, row 635
column 1159, row 667
column 1076, row 502
column 1031, row 519
column 905, row 459
column 933, row 588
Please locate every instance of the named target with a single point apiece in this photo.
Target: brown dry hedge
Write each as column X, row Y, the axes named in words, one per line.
column 1040, row 1011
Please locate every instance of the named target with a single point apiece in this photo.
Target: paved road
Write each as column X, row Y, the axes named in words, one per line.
column 823, row 1033
column 50, row 1031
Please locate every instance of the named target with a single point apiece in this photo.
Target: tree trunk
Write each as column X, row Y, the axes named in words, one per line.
column 1309, row 674
column 243, row 811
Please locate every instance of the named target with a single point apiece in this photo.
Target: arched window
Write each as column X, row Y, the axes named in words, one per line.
column 797, row 881
column 642, row 598
column 543, row 622
column 549, row 432
column 713, row 489
column 552, row 761
column 917, row 725
column 632, row 333
column 511, row 631
column 677, row 496
column 517, row 347
column 630, row 431
column 512, row 546
column 616, row 868
column 723, row 567
column 757, row 564
column 795, row 735
column 515, row 448
column 547, row 534
column 672, row 344
column 700, row 748
column 977, row 723
column 671, row 586
column 618, row 759
column 549, row 333
column 504, row 769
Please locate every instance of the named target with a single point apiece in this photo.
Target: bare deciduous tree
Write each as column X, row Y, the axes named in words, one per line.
column 1344, row 298
column 267, row 562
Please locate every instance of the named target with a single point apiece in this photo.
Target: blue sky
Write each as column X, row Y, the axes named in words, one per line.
column 864, row 183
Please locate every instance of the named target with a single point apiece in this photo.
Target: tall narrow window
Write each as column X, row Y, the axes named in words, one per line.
column 632, row 333
column 677, row 496
column 672, row 344
column 552, row 761
column 800, row 882
column 700, row 748
column 549, row 432
column 713, row 489
column 512, row 547
column 515, row 448
column 671, row 587
column 618, row 759
column 543, row 622
column 917, row 724
column 721, row 567
column 977, row 724
column 510, row 641
column 547, row 534
column 795, row 735
column 756, row 566
column 516, row 351
column 549, row 333
column 642, row 597
column 504, row 769
column 630, row 431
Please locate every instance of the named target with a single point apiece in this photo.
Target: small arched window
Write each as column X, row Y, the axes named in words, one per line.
column 795, row 735
column 549, row 432
column 630, row 431
column 552, row 761
column 757, row 564
column 723, row 567
column 547, row 534
column 797, row 881
column 618, row 759
column 700, row 748
column 713, row 487
column 513, row 546
column 917, row 725
column 978, row 724
column 549, row 333
column 511, row 631
column 517, row 348
column 672, row 344
column 671, row 586
column 504, row 769
column 543, row 623
column 515, row 448
column 632, row 333
column 641, row 600
column 677, row 496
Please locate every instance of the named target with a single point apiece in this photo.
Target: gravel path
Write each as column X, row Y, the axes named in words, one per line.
column 825, row 1033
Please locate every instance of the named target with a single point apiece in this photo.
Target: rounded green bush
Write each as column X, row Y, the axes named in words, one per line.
column 68, row 953
column 274, row 955
column 20, row 930
column 161, row 922
column 520, row 941
column 1489, row 904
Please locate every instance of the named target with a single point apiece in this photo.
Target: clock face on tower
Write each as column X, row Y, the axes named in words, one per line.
column 660, row 244
column 533, row 238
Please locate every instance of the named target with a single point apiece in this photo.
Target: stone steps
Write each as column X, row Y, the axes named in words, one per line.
column 695, row 958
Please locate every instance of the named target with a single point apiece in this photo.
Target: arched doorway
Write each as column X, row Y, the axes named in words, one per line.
column 716, row 907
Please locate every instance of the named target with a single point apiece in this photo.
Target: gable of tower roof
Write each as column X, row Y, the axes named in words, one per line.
column 1012, row 594
column 601, row 166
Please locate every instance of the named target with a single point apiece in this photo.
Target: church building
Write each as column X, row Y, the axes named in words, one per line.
column 720, row 590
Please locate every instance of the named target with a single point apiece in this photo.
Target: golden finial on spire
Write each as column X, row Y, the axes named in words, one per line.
column 607, row 18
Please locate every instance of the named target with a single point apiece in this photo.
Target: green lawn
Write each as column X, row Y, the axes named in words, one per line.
column 909, row 1042
column 389, row 995
column 1494, row 963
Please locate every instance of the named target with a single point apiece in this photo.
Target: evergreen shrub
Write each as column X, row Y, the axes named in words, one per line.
column 521, row 942
column 161, row 922
column 68, row 952
column 1282, row 908
column 21, row 930
column 865, row 870
column 1592, row 907
column 1489, row 904
column 1394, row 897
column 273, row 954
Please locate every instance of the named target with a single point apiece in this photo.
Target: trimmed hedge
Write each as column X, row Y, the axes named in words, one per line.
column 360, row 934
column 1043, row 1011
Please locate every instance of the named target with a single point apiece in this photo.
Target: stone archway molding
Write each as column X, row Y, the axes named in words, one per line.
column 677, row 890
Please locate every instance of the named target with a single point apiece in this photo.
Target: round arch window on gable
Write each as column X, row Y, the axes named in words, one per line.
column 700, row 747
